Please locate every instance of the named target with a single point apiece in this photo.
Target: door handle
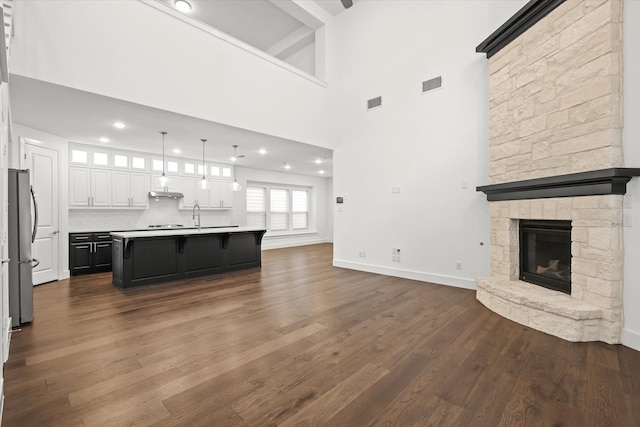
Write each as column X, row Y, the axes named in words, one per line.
column 6, row 260
column 35, row 215
column 55, row 232
column 37, row 263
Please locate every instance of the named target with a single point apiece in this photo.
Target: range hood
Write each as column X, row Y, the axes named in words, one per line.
column 165, row 194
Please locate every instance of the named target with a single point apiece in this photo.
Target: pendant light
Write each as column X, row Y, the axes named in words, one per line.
column 163, row 180
column 203, row 184
column 235, row 186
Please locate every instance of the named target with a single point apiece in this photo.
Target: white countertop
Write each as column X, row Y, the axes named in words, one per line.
column 182, row 232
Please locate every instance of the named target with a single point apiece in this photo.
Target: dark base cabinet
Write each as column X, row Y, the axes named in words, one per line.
column 89, row 253
column 146, row 260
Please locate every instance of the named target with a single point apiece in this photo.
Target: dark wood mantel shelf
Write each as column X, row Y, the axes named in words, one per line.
column 593, row 183
column 524, row 19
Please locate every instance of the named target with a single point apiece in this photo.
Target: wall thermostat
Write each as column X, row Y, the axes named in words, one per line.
column 339, row 200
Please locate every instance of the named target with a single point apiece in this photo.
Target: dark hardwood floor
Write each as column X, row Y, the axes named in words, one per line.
column 299, row 342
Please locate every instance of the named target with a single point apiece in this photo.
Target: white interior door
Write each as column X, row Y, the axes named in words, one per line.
column 43, row 166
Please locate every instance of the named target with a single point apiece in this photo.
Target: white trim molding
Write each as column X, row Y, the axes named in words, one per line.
column 457, row 282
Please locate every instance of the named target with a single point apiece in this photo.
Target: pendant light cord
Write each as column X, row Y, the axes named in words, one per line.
column 163, row 134
column 203, row 141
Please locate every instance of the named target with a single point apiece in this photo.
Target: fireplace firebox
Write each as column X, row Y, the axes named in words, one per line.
column 545, row 254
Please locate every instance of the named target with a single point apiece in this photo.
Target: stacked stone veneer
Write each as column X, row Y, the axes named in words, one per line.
column 555, row 96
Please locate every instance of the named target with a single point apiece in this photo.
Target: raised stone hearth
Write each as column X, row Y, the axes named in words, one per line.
column 555, row 118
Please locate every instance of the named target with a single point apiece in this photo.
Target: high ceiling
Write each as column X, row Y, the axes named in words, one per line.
column 84, row 117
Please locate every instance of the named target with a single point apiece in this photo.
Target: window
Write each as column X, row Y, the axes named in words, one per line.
column 215, row 170
column 137, row 162
column 101, row 159
column 189, row 168
column 157, row 165
column 120, row 161
column 226, row 172
column 279, row 208
column 200, row 169
column 256, row 207
column 172, row 166
column 79, row 156
column 299, row 209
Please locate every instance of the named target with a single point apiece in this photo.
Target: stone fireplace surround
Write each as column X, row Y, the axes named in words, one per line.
column 555, row 153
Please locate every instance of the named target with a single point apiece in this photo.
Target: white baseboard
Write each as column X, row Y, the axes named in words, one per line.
column 65, row 275
column 274, row 244
column 458, row 282
column 630, row 339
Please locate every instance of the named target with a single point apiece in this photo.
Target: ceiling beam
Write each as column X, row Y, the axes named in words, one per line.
column 306, row 11
column 292, row 43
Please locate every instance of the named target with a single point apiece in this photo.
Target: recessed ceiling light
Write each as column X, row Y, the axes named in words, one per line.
column 103, row 139
column 119, row 125
column 177, row 150
column 183, row 6
column 318, row 161
column 262, row 151
column 287, row 165
column 321, row 172
column 233, row 159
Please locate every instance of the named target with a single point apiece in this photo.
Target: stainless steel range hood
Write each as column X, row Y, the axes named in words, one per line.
column 165, row 194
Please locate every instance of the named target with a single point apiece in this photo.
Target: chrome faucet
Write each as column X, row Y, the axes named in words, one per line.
column 196, row 207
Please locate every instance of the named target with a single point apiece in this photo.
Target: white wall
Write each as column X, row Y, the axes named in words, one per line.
column 630, row 138
column 320, row 199
column 429, row 145
column 131, row 51
column 59, row 144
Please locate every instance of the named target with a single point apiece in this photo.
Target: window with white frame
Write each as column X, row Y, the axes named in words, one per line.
column 138, row 162
column 120, row 161
column 79, row 156
column 299, row 209
column 257, row 207
column 279, row 208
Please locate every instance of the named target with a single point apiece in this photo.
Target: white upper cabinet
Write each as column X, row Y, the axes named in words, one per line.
column 100, row 188
column 221, row 194
column 89, row 187
column 79, row 187
column 109, row 178
column 129, row 189
column 139, row 186
column 189, row 191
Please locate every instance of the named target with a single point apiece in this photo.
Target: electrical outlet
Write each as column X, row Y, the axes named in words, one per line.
column 362, row 254
column 395, row 255
column 395, row 190
column 626, row 220
column 458, row 265
column 464, row 185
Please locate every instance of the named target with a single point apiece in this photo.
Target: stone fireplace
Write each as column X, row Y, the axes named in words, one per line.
column 555, row 154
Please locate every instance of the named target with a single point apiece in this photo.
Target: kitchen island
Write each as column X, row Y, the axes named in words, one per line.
column 147, row 257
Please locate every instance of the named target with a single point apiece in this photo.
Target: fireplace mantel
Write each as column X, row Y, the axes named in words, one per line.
column 593, row 183
column 524, row 19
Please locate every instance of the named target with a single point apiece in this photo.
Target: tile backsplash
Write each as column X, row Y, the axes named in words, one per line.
column 162, row 211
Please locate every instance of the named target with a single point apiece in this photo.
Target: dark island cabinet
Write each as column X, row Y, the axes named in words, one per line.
column 89, row 253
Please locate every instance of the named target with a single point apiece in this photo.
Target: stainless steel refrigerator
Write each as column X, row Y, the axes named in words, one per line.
column 22, row 233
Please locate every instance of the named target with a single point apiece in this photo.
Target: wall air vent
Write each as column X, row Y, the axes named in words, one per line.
column 432, row 84
column 374, row 103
